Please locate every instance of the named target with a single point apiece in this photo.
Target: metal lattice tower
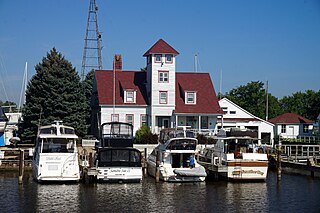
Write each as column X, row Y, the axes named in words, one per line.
column 92, row 47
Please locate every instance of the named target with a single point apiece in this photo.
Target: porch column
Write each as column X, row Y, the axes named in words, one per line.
column 176, row 121
column 199, row 123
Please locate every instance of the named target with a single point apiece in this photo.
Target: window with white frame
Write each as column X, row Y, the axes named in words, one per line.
column 143, row 120
column 163, row 96
column 190, row 97
column 163, row 76
column 115, row 117
column 169, row 58
column 130, row 96
column 157, row 58
column 305, row 128
column 283, row 128
column 129, row 118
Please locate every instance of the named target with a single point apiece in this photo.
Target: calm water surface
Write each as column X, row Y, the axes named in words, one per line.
column 293, row 194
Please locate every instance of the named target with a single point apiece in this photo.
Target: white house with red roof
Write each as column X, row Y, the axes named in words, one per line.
column 292, row 125
column 237, row 117
column 158, row 97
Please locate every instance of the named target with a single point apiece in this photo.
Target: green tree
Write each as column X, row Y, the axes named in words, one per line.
column 87, row 85
column 252, row 97
column 53, row 93
column 306, row 104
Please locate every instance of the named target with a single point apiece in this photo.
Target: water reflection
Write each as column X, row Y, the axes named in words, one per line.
column 293, row 193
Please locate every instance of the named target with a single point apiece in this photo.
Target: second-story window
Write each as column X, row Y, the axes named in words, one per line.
column 163, row 76
column 283, row 128
column 163, row 97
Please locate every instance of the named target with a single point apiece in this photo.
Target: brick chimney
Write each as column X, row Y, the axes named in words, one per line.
column 117, row 62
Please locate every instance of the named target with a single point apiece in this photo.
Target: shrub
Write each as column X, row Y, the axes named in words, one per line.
column 144, row 136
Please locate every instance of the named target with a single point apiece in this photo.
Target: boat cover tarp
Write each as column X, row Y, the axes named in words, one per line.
column 193, row 172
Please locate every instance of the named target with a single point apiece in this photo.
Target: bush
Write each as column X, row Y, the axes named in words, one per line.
column 144, row 136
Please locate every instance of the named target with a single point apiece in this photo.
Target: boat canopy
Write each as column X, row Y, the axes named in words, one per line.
column 119, row 157
column 116, row 134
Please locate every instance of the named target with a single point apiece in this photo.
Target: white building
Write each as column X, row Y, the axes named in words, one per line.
column 158, row 97
column 237, row 117
column 291, row 125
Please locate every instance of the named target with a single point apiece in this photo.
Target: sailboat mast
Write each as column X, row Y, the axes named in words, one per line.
column 24, row 86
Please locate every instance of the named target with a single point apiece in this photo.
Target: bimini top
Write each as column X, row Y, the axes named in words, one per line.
column 116, row 134
column 56, row 130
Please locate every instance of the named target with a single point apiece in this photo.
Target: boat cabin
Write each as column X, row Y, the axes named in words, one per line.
column 118, row 157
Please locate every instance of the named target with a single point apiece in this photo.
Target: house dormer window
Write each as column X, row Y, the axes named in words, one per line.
column 169, row 58
column 157, row 58
column 130, row 96
column 190, row 97
column 163, row 76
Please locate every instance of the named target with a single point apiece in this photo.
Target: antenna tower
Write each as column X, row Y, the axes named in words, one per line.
column 92, row 46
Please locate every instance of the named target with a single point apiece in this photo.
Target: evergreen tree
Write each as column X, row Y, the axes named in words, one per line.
column 53, row 93
column 87, row 85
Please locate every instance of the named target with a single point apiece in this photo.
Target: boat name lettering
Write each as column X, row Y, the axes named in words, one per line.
column 53, row 158
column 120, row 170
column 248, row 172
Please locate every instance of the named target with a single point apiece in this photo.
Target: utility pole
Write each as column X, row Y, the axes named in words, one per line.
column 267, row 101
column 92, row 46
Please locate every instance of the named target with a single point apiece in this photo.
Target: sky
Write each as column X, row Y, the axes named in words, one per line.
column 236, row 41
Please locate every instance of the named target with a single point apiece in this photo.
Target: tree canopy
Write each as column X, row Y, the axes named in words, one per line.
column 252, row 97
column 53, row 93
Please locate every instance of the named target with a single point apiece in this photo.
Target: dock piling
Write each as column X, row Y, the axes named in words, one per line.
column 157, row 175
column 21, row 165
column 279, row 162
column 145, row 162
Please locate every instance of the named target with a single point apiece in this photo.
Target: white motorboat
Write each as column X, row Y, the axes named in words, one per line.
column 236, row 158
column 116, row 160
column 55, row 156
column 175, row 154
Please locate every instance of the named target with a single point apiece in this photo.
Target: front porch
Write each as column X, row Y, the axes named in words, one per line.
column 199, row 124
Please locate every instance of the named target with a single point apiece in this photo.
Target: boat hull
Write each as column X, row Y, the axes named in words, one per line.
column 51, row 168
column 167, row 174
column 119, row 174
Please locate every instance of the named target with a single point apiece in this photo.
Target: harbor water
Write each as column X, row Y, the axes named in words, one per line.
column 294, row 193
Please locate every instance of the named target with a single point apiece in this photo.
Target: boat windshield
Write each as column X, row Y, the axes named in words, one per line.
column 119, row 157
column 182, row 144
column 58, row 145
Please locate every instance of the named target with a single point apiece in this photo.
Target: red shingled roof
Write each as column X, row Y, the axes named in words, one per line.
column 124, row 80
column 290, row 118
column 161, row 47
column 206, row 99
